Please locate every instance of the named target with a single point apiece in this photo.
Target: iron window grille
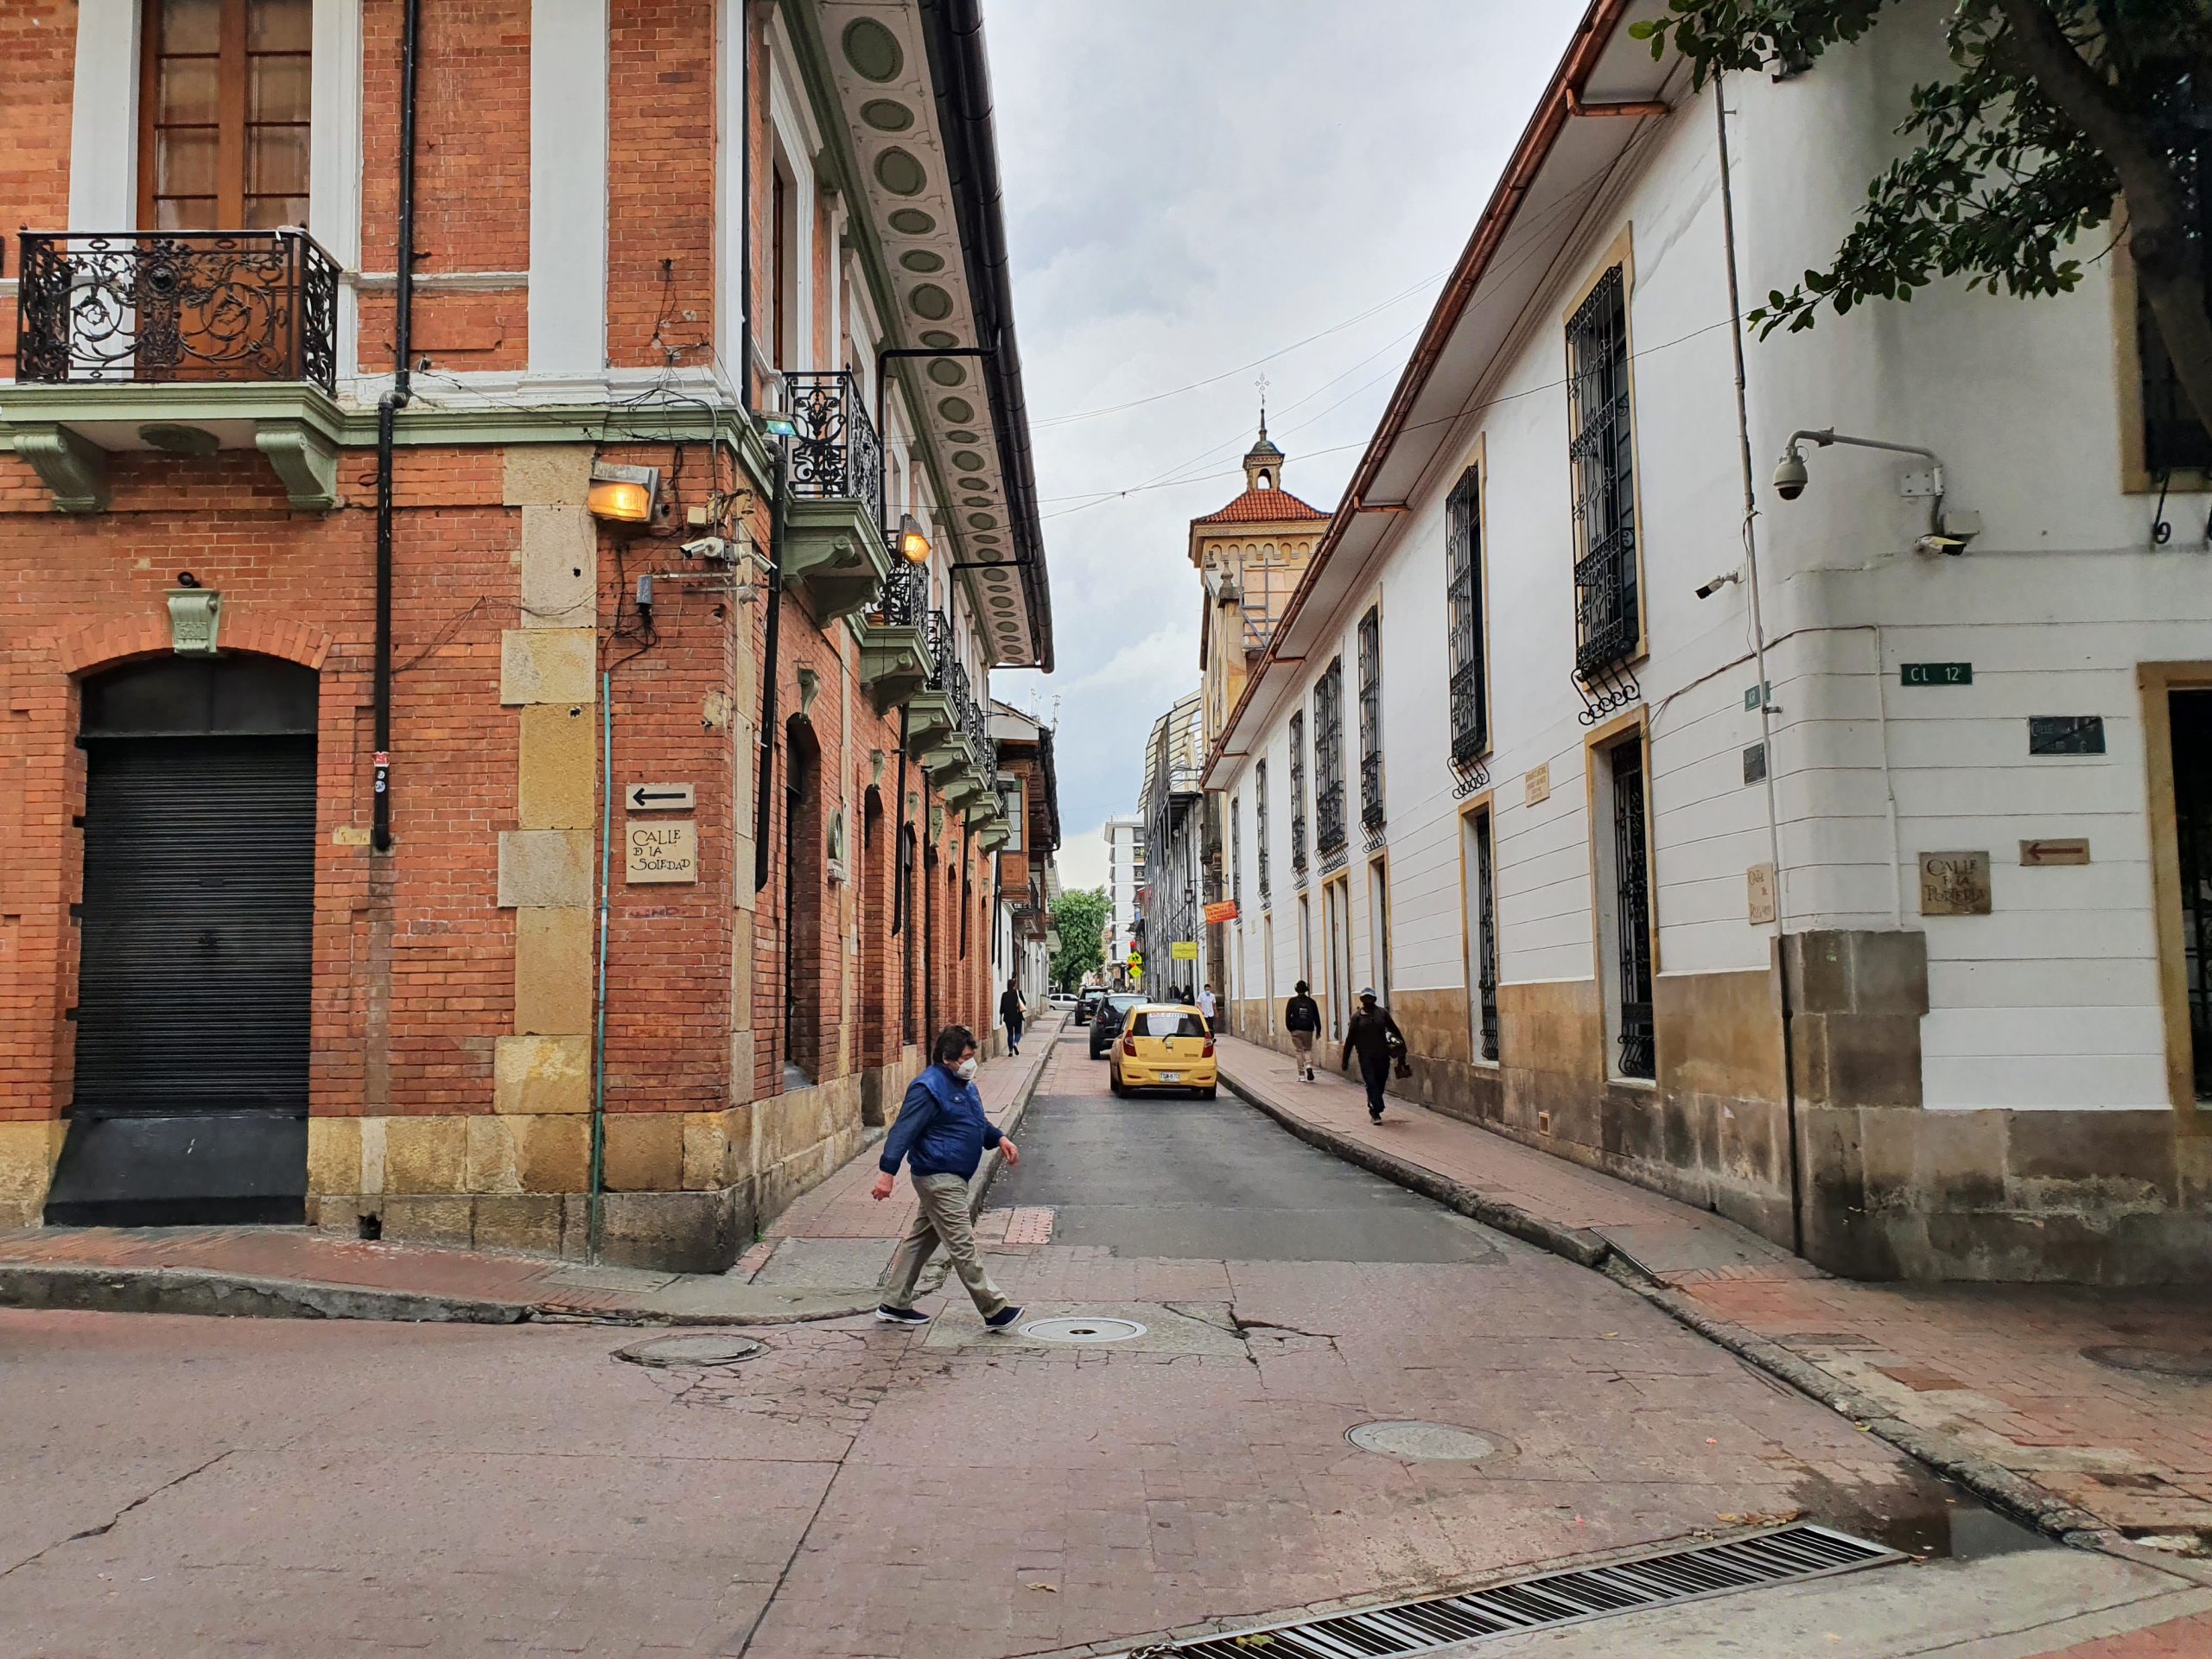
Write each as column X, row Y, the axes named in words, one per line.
column 2191, row 721
column 836, row 455
column 1297, row 792
column 1329, row 760
column 1632, row 907
column 176, row 305
column 1371, row 718
column 1236, row 852
column 1607, row 623
column 1463, row 594
column 1260, row 823
column 2174, row 438
column 1485, row 937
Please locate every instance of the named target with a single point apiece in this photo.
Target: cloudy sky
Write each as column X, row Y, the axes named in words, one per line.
column 1194, row 186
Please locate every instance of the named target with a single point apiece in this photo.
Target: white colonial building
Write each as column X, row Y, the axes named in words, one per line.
column 1125, row 875
column 1893, row 952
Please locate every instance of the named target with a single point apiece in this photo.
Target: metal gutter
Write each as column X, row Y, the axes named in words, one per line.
column 1553, row 110
column 952, row 30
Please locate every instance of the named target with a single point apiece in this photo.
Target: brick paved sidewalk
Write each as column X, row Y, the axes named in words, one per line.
column 298, row 1271
column 2078, row 1398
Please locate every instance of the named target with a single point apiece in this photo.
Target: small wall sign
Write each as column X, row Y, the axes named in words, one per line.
column 660, row 851
column 1536, row 786
column 2066, row 734
column 1755, row 764
column 1758, row 892
column 2069, row 849
column 1954, row 884
column 1936, row 674
column 660, row 797
column 1182, row 950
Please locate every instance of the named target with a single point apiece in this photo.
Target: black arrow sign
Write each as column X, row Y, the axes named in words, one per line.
column 640, row 795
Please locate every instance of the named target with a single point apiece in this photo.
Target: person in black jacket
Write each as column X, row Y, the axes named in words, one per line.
column 1301, row 1018
column 1375, row 1037
column 1010, row 1015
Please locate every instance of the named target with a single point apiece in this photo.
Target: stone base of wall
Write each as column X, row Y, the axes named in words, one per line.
column 1889, row 1190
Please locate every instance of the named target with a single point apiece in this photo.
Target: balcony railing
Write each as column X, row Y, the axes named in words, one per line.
column 836, row 455
column 1329, row 818
column 176, row 305
column 906, row 597
column 1370, row 791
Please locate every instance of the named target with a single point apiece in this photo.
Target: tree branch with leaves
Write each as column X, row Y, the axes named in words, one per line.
column 2060, row 117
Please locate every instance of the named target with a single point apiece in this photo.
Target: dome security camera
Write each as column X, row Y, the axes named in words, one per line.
column 1789, row 474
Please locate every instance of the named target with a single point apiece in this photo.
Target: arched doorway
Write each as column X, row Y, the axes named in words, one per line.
column 195, row 972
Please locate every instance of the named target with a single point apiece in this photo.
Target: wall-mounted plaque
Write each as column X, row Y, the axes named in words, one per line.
column 1954, row 884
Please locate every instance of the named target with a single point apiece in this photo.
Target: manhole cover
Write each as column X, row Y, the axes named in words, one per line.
column 1428, row 1442
column 1082, row 1330
column 691, row 1350
column 2157, row 1362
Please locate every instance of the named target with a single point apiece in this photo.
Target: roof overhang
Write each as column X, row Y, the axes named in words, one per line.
column 921, row 167
column 1568, row 157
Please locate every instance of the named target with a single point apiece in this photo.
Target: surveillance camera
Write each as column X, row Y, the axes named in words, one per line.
column 1790, row 477
column 1707, row 590
column 715, row 550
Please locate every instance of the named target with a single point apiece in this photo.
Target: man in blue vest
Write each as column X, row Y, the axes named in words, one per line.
column 942, row 1135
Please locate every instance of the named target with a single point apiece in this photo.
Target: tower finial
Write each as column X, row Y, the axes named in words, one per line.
column 1261, row 383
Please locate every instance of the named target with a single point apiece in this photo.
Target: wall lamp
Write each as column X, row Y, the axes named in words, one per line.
column 624, row 495
column 1947, row 532
column 914, row 545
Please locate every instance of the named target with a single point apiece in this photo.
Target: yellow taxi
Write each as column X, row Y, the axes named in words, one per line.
column 1165, row 1045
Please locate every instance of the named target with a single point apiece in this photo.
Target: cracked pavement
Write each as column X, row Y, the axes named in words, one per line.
column 216, row 1487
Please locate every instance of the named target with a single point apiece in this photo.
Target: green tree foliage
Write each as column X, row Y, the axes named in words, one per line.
column 2059, row 117
column 1080, row 919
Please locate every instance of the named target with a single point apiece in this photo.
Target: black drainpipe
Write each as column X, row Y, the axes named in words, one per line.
column 388, row 408
column 772, row 582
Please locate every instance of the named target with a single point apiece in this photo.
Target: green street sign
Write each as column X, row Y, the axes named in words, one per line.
column 1937, row 674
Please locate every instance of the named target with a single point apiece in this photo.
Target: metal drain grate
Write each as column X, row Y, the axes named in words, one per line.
column 1782, row 1557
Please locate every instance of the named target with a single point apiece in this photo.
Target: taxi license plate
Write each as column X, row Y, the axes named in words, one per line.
column 1170, row 1077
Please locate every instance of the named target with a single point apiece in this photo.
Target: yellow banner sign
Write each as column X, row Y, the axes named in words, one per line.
column 1182, row 950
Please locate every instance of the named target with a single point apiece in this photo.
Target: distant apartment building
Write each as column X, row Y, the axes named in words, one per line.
column 1125, row 871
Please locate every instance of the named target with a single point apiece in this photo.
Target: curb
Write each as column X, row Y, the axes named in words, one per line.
column 1994, row 1484
column 211, row 1292
column 980, row 1188
column 1578, row 1244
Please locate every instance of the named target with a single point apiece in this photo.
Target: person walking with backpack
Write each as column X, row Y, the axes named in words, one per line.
column 1010, row 1015
column 942, row 1135
column 1375, row 1037
column 1301, row 1018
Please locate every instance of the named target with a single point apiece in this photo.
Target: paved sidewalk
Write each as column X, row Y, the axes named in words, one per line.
column 2085, row 1409
column 297, row 1272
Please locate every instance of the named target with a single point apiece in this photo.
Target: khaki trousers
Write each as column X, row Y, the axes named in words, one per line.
column 1301, row 1049
column 943, row 1220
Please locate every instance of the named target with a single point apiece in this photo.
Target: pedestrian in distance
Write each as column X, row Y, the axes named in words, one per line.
column 1207, row 1006
column 940, row 1135
column 1010, row 1014
column 1301, row 1018
column 1375, row 1037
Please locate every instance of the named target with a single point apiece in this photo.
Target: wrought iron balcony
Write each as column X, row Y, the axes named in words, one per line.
column 1329, row 818
column 836, row 455
column 176, row 306
column 904, row 599
column 1370, row 790
column 1469, row 727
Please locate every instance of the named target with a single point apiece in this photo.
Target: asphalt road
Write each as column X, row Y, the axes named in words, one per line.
column 209, row 1487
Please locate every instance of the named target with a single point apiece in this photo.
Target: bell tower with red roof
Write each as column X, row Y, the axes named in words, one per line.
column 1250, row 555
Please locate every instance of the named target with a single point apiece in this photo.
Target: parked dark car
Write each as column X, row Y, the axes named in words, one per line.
column 1106, row 1023
column 1086, row 1004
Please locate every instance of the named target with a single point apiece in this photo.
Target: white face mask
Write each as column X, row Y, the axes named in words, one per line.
column 968, row 1069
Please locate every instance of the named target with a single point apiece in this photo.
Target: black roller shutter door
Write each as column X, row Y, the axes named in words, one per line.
column 198, row 926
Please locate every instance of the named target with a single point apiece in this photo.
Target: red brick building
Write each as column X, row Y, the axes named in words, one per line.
column 508, row 509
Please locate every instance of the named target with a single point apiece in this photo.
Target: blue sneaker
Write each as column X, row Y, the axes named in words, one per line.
column 1004, row 1318
column 891, row 1315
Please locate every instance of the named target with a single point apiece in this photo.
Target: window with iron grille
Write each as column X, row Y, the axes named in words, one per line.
column 1260, row 823
column 1236, row 852
column 1485, row 937
column 1463, row 595
column 1632, row 907
column 1298, row 791
column 1329, row 759
column 1371, row 717
column 1599, row 458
